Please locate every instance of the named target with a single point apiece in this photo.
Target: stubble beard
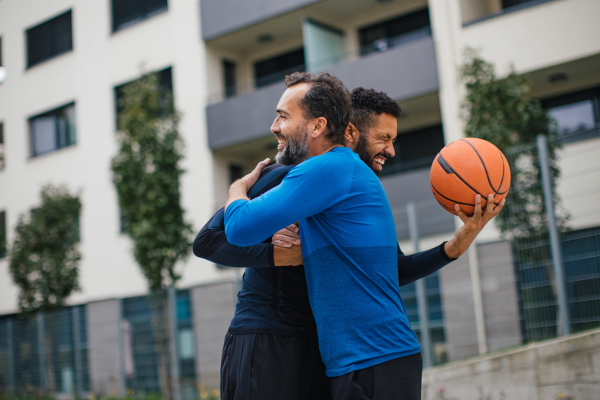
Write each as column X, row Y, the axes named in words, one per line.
column 364, row 152
column 296, row 148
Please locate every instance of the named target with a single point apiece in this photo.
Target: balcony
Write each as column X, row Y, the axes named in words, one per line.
column 220, row 17
column 403, row 72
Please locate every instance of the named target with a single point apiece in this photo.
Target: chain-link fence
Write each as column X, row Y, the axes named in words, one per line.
column 535, row 275
column 518, row 284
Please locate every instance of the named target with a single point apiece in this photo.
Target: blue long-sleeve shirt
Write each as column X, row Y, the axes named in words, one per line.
column 275, row 300
column 349, row 249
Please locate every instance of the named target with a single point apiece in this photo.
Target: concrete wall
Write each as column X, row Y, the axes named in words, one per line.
column 213, row 307
column 499, row 302
column 103, row 322
column 567, row 367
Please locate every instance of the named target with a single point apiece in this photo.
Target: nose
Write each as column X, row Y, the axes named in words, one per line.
column 389, row 150
column 275, row 129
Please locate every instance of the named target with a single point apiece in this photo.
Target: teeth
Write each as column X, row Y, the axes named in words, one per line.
column 380, row 161
column 281, row 141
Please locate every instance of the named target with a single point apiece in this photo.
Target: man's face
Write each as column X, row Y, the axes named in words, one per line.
column 376, row 145
column 290, row 126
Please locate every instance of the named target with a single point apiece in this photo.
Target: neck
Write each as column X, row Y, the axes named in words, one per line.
column 321, row 148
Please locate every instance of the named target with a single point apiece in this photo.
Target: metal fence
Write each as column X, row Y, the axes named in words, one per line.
column 535, row 275
column 519, row 283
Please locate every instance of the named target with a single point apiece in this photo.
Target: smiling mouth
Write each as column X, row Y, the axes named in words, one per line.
column 281, row 140
column 379, row 160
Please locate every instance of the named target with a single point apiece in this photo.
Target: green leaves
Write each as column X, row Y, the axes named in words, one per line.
column 146, row 175
column 44, row 257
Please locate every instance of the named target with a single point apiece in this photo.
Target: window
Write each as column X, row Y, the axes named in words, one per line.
column 128, row 12
column 235, row 172
column 1, row 146
column 512, row 3
column 229, row 69
column 2, row 234
column 576, row 114
column 52, row 130
column 394, row 32
column 415, row 149
column 276, row 68
column 166, row 86
column 49, row 39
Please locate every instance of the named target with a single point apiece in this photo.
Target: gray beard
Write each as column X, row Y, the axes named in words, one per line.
column 295, row 150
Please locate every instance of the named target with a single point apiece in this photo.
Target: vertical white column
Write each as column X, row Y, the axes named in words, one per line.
column 477, row 298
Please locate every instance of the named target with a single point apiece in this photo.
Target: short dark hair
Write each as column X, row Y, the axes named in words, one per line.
column 368, row 104
column 327, row 97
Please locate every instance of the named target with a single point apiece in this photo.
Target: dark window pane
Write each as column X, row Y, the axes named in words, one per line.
column 53, row 130
column 2, row 234
column 1, row 146
column 275, row 69
column 235, row 172
column 49, row 39
column 166, row 86
column 575, row 112
column 415, row 149
column 126, row 12
column 511, row 3
column 229, row 70
column 394, row 32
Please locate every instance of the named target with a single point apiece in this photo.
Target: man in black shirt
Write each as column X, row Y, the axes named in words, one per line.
column 271, row 348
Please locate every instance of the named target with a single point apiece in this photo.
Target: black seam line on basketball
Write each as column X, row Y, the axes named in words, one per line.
column 501, row 180
column 458, row 176
column 457, row 202
column 454, row 201
column 484, row 167
column 444, row 164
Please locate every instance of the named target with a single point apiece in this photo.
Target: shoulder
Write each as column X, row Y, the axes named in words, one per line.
column 337, row 159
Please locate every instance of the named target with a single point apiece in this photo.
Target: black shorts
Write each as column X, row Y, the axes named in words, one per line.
column 398, row 379
column 261, row 366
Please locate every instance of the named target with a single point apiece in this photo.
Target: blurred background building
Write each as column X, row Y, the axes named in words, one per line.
column 224, row 61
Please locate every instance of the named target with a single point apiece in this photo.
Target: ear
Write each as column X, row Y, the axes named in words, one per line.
column 351, row 136
column 319, row 127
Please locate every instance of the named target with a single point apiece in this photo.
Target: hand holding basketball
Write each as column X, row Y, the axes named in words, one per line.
column 467, row 233
column 465, row 168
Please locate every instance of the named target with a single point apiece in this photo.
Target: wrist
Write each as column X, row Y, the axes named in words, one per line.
column 452, row 250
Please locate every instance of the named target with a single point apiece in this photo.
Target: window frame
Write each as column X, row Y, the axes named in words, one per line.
column 28, row 63
column 52, row 112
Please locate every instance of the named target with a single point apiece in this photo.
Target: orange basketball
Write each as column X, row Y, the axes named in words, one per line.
column 465, row 168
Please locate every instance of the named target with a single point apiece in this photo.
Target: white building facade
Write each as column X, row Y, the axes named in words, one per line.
column 225, row 61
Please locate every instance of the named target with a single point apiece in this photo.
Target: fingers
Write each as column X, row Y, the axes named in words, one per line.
column 287, row 238
column 490, row 203
column 499, row 207
column 261, row 165
column 477, row 212
column 281, row 243
column 463, row 217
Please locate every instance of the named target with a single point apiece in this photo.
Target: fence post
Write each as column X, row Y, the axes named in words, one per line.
column 477, row 298
column 122, row 389
column 413, row 229
column 557, row 261
column 77, row 351
column 175, row 378
column 41, row 348
column 11, row 356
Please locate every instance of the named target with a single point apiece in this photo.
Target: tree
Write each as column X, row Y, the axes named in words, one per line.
column 146, row 175
column 44, row 257
column 501, row 112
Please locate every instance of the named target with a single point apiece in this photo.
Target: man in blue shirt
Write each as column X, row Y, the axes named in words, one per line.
column 349, row 244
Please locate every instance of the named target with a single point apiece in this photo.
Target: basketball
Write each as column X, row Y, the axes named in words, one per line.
column 467, row 167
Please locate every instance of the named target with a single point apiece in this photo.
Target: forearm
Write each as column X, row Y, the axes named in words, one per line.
column 419, row 265
column 237, row 191
column 211, row 244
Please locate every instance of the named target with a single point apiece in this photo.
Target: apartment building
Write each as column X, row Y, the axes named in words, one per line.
column 225, row 61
